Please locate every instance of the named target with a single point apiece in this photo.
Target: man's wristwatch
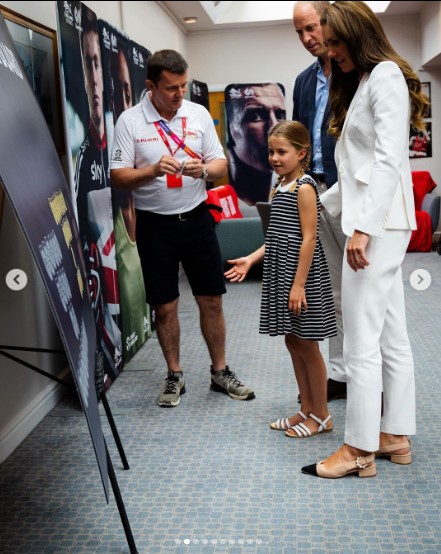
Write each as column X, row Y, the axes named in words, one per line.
column 204, row 174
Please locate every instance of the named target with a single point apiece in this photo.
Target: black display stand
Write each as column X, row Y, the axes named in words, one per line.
column 111, row 472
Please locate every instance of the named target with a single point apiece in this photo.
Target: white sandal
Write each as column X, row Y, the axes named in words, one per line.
column 303, row 432
column 283, row 424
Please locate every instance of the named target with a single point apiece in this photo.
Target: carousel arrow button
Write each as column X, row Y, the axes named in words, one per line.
column 16, row 279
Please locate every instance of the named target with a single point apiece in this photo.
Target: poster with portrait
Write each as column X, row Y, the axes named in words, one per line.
column 117, row 57
column 33, row 180
column 420, row 142
column 251, row 110
column 199, row 93
column 140, row 55
column 82, row 77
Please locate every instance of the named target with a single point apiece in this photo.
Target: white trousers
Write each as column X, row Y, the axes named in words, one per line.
column 333, row 240
column 376, row 346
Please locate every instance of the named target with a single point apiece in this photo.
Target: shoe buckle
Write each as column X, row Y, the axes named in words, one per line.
column 361, row 465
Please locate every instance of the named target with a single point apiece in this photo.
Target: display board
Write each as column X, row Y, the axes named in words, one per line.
column 83, row 79
column 34, row 183
column 118, row 53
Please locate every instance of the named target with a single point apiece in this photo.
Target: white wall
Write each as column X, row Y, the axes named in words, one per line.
column 148, row 25
column 248, row 55
column 431, row 37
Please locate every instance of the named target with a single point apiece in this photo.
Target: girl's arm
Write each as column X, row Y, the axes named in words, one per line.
column 307, row 204
column 241, row 266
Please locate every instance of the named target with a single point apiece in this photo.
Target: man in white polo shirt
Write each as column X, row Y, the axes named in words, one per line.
column 164, row 149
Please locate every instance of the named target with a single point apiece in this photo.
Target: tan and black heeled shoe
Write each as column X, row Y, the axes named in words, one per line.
column 363, row 465
column 390, row 451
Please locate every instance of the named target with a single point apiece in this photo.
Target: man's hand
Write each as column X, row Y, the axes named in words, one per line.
column 166, row 165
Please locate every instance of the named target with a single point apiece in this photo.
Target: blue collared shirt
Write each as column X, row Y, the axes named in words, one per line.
column 321, row 100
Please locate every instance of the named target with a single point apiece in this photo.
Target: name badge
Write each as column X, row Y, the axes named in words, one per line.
column 174, row 181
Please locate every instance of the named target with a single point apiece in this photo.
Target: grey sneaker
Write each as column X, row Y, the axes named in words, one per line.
column 174, row 386
column 226, row 381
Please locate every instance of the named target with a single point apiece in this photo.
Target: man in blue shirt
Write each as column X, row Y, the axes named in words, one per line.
column 311, row 107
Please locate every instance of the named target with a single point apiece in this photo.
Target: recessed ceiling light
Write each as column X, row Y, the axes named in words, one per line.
column 190, row 19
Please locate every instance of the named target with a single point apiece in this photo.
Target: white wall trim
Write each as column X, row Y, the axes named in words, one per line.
column 25, row 421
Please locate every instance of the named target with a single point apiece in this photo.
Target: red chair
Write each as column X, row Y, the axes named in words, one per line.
column 226, row 197
column 427, row 207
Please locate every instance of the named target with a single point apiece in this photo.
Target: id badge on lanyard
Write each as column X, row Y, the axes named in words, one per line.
column 175, row 180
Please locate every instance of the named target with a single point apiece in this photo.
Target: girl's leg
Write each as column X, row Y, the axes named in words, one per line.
column 301, row 378
column 311, row 376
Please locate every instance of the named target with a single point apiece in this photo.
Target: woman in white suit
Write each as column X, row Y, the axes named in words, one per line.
column 375, row 97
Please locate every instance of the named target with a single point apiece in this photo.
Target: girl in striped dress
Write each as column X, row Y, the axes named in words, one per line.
column 296, row 291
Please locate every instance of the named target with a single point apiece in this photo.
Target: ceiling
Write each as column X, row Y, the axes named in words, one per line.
column 213, row 16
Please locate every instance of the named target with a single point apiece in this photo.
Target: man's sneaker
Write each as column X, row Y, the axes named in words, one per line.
column 174, row 386
column 226, row 381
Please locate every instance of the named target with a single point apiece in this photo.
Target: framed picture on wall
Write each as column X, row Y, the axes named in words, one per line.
column 420, row 143
column 425, row 89
column 37, row 48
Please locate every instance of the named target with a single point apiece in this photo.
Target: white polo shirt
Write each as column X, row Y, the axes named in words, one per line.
column 137, row 143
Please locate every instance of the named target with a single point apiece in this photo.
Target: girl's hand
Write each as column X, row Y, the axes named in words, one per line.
column 297, row 300
column 356, row 250
column 239, row 271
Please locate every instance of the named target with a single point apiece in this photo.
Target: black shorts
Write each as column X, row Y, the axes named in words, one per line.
column 165, row 241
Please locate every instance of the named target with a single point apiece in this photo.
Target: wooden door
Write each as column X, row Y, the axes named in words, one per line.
column 217, row 111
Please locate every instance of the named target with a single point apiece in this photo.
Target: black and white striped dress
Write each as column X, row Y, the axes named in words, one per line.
column 282, row 247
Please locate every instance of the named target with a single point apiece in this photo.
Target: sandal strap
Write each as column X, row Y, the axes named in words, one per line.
column 302, row 414
column 301, row 430
column 322, row 423
column 282, row 423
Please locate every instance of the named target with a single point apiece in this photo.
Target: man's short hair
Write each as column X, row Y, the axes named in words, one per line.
column 168, row 60
column 89, row 21
column 319, row 7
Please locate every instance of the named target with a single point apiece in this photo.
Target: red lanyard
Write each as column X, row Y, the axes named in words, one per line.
column 162, row 126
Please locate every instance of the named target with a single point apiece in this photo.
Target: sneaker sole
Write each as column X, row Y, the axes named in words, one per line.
column 172, row 404
column 218, row 388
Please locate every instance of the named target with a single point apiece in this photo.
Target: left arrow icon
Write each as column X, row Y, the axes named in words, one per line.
column 16, row 279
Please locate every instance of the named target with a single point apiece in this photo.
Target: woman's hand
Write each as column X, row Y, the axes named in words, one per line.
column 239, row 271
column 297, row 300
column 356, row 250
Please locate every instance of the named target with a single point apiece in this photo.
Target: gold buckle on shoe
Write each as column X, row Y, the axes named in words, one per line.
column 359, row 464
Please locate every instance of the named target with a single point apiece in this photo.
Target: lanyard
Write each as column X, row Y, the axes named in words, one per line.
column 162, row 126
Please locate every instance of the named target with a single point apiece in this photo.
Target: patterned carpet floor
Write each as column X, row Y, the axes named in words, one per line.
column 209, row 476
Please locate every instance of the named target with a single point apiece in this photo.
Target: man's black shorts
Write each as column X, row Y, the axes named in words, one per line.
column 166, row 241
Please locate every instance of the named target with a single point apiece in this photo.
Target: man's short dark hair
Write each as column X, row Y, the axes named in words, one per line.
column 161, row 60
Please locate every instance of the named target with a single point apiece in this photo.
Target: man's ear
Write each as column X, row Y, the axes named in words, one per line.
column 149, row 84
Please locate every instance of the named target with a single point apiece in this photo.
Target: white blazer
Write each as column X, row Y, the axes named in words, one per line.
column 374, row 190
